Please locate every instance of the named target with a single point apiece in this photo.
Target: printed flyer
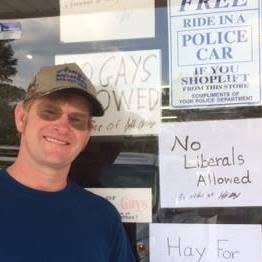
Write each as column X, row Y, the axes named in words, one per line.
column 133, row 204
column 10, row 30
column 215, row 53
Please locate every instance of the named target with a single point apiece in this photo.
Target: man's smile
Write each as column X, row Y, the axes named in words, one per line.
column 55, row 140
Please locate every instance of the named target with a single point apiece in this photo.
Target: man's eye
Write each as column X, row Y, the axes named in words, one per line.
column 49, row 114
column 79, row 123
column 75, row 119
column 49, row 111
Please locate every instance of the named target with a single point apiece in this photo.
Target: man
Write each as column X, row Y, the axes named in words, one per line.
column 44, row 217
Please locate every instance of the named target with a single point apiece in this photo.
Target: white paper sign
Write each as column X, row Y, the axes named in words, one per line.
column 128, row 85
column 10, row 30
column 133, row 204
column 205, row 243
column 211, row 163
column 214, row 53
column 106, row 20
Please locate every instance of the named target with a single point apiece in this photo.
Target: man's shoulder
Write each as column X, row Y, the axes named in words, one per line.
column 4, row 178
column 91, row 201
column 2, row 172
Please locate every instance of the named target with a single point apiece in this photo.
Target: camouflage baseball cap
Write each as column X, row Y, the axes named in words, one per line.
column 60, row 77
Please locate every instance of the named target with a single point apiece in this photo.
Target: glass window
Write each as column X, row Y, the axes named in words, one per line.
column 154, row 63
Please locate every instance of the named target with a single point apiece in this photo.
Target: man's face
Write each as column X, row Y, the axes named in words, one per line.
column 53, row 130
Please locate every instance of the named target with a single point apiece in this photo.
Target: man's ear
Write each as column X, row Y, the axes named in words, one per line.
column 20, row 117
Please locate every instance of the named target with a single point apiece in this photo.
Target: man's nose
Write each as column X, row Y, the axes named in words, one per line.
column 62, row 124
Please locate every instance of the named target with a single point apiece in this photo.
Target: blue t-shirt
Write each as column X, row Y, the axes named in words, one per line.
column 71, row 225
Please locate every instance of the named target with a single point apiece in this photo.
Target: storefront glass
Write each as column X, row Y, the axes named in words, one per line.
column 180, row 82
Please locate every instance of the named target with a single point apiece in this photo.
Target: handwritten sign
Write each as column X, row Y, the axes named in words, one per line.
column 128, row 85
column 215, row 53
column 83, row 21
column 205, row 243
column 211, row 163
column 133, row 204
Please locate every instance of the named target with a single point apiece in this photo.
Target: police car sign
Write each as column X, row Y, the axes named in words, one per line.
column 10, row 31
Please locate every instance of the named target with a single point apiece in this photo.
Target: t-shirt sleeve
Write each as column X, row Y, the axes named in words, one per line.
column 121, row 248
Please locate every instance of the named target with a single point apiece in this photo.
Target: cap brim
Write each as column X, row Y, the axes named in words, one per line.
column 97, row 108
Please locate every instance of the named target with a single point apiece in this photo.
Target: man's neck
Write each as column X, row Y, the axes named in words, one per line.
column 39, row 177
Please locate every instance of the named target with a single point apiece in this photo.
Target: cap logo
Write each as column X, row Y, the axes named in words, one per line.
column 72, row 76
